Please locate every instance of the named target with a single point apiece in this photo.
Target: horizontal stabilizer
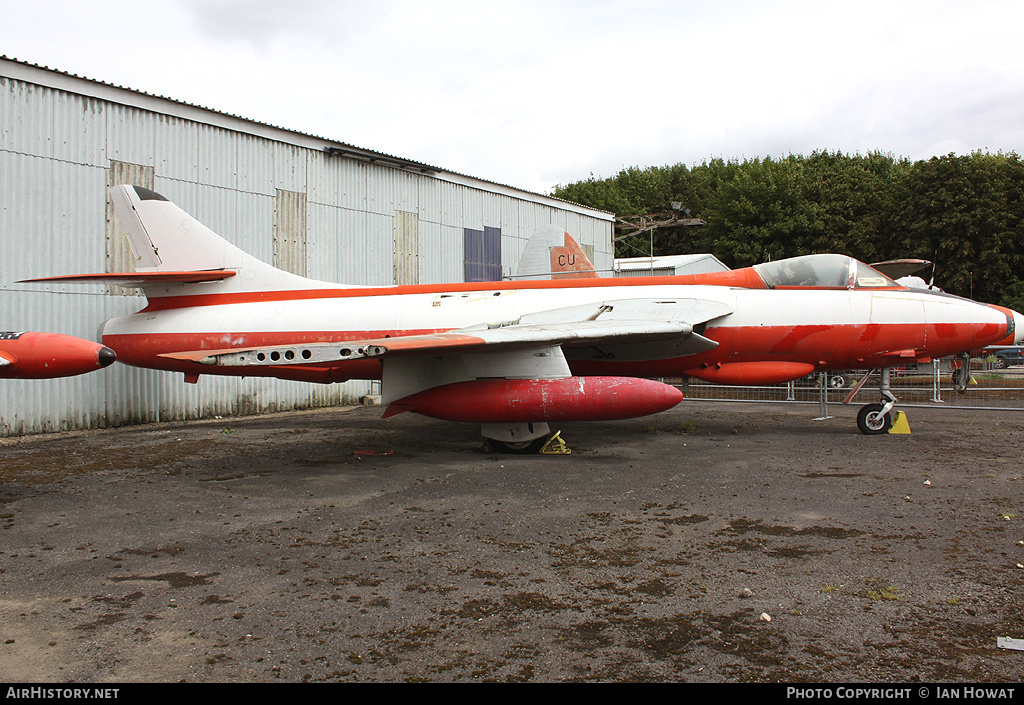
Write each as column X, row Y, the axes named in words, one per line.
column 137, row 279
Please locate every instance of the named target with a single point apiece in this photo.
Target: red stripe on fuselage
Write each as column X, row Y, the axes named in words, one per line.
column 825, row 347
column 740, row 278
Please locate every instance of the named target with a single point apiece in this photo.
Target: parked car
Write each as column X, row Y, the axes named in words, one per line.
column 1009, row 356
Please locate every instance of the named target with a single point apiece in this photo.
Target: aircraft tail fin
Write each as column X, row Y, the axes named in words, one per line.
column 552, row 253
column 171, row 247
column 164, row 238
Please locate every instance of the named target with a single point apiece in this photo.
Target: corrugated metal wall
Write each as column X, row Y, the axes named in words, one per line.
column 326, row 216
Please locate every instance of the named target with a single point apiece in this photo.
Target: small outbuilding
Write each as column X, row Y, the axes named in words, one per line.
column 668, row 265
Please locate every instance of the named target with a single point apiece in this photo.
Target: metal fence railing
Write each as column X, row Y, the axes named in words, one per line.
column 990, row 387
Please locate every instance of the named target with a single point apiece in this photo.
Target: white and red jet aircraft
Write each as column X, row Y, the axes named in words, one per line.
column 516, row 355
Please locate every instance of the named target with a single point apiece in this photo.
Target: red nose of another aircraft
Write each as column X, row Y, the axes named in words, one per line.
column 32, row 355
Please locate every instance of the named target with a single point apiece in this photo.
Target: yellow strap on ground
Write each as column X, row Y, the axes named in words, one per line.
column 555, row 446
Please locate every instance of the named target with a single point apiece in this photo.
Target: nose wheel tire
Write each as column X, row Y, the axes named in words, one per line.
column 871, row 421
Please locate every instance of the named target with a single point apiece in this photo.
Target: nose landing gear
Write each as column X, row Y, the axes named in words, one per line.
column 876, row 418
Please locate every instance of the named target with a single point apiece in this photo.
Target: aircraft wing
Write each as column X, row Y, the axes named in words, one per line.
column 624, row 329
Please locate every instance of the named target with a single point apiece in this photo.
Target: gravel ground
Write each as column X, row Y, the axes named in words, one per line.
column 714, row 542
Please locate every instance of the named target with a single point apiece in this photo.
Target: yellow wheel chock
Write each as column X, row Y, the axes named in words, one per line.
column 900, row 424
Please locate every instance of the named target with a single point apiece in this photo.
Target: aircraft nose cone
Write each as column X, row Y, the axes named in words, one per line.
column 106, row 356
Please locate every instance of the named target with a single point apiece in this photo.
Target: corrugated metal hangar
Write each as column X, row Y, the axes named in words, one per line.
column 313, row 206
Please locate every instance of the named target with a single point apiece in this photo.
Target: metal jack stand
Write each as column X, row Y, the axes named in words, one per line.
column 936, row 382
column 822, row 397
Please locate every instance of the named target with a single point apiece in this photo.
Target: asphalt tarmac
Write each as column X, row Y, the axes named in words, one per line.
column 716, row 542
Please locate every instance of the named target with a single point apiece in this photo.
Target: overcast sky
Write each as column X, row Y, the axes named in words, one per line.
column 539, row 93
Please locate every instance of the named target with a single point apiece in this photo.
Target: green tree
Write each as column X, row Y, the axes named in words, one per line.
column 963, row 212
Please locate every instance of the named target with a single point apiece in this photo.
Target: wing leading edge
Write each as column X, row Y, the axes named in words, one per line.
column 612, row 330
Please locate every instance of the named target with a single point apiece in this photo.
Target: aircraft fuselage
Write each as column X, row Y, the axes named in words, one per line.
column 789, row 332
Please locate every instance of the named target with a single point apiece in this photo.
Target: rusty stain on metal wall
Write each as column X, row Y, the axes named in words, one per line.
column 290, row 232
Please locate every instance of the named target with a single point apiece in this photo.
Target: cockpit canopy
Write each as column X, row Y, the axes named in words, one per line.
column 822, row 271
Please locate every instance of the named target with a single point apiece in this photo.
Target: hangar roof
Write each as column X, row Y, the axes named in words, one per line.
column 62, row 80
